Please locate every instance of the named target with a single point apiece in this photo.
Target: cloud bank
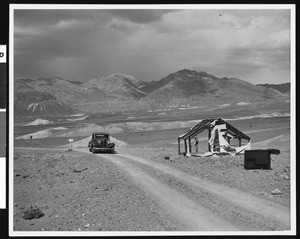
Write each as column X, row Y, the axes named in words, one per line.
column 78, row 45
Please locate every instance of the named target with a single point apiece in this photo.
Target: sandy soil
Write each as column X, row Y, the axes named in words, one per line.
column 80, row 192
column 243, row 211
column 137, row 189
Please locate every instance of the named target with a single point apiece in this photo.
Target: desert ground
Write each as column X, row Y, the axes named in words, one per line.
column 147, row 186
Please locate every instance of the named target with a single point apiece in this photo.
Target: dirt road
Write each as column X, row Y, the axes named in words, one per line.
column 199, row 204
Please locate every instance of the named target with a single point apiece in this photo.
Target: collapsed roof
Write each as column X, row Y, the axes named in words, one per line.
column 219, row 134
column 207, row 124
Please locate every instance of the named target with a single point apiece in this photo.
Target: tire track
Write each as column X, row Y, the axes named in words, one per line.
column 192, row 215
column 266, row 209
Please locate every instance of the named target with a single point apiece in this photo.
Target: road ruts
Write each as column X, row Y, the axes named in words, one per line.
column 257, row 213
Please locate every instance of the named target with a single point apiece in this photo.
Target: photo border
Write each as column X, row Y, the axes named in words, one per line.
column 291, row 7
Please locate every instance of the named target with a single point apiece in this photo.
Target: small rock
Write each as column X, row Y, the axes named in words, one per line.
column 276, row 192
column 79, row 170
column 87, row 225
column 167, row 157
column 79, row 229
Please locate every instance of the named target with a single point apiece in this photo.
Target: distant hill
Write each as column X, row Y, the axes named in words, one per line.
column 120, row 92
column 119, row 85
column 194, row 87
column 37, row 103
column 284, row 88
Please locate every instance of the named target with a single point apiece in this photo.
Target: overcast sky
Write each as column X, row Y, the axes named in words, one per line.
column 78, row 45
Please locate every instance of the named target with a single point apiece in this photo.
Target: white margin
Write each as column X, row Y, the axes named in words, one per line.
column 293, row 121
column 11, row 123
column 2, row 182
column 153, row 6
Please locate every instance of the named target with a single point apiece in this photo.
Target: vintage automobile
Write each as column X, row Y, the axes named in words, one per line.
column 100, row 142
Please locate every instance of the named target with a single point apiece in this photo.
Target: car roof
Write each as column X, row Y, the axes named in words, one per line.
column 101, row 133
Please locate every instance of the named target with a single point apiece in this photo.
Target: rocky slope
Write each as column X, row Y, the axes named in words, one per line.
column 195, row 87
column 36, row 103
column 119, row 85
column 284, row 88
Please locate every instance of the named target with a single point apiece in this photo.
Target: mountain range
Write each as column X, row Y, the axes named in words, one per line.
column 120, row 92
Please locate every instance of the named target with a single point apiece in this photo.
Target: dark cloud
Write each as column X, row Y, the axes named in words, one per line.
column 139, row 15
column 46, row 17
column 55, row 43
column 42, row 17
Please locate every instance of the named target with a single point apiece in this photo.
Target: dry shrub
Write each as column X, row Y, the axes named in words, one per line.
column 32, row 213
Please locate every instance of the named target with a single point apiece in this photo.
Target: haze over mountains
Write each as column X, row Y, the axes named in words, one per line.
column 284, row 88
column 120, row 92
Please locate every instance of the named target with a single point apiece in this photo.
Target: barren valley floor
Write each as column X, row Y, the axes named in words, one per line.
column 137, row 189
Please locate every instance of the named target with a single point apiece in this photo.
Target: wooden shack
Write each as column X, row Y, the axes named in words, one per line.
column 222, row 131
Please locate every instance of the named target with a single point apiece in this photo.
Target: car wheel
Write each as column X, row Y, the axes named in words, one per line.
column 93, row 150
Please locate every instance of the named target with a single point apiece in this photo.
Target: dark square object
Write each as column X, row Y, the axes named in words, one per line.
column 257, row 159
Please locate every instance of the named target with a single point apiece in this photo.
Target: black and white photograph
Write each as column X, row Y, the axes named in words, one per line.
column 136, row 120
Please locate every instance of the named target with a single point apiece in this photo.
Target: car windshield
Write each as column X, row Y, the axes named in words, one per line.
column 100, row 136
